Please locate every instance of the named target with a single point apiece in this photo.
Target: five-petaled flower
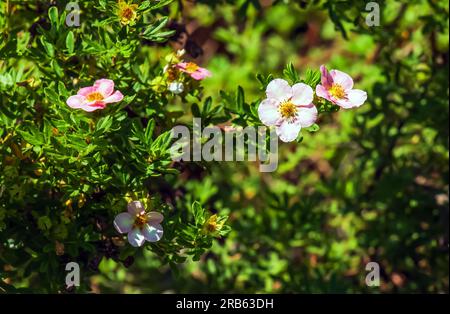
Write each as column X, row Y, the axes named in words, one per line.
column 127, row 12
column 196, row 72
column 139, row 224
column 288, row 108
column 95, row 97
column 337, row 87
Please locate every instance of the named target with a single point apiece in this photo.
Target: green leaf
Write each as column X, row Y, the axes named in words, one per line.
column 206, row 106
column 195, row 110
column 44, row 223
column 291, row 73
column 313, row 128
column 48, row 47
column 53, row 15
column 262, row 80
column 162, row 141
column 312, row 78
column 299, row 137
column 240, row 99
column 62, row 89
column 57, row 68
column 161, row 4
column 153, row 29
column 70, row 42
column 199, row 213
column 144, row 5
column 104, row 124
column 153, row 32
column 51, row 95
column 34, row 137
column 149, row 131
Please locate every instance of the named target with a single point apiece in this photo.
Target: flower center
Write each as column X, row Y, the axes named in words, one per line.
column 191, row 67
column 140, row 220
column 127, row 13
column 212, row 225
column 288, row 110
column 337, row 91
column 95, row 96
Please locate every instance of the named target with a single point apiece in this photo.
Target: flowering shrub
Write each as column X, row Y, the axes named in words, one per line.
column 96, row 97
column 88, row 175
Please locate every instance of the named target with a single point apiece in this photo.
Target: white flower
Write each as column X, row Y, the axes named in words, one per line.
column 139, row 225
column 176, row 87
column 288, row 108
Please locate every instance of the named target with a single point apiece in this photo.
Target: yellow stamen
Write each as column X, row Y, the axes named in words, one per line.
column 140, row 220
column 212, row 225
column 127, row 12
column 288, row 110
column 337, row 91
column 191, row 67
column 95, row 96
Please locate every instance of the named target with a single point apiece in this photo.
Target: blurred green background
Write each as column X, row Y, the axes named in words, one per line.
column 372, row 185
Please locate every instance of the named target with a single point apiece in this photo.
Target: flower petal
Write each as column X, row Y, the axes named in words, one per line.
column 302, row 94
column 86, row 91
column 307, row 115
column 116, row 97
column 326, row 79
column 104, row 87
column 268, row 112
column 136, row 238
column 288, row 132
column 342, row 79
column 92, row 106
column 200, row 74
column 356, row 97
column 205, row 72
column 279, row 89
column 152, row 232
column 155, row 217
column 135, row 208
column 321, row 91
column 343, row 103
column 76, row 101
column 181, row 66
column 123, row 222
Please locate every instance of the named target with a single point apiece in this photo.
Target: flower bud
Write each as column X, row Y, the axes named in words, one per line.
column 176, row 87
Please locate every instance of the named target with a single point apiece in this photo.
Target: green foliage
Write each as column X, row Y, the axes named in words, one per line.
column 359, row 185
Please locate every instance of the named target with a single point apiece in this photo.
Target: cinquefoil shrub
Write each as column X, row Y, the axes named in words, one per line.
column 88, row 100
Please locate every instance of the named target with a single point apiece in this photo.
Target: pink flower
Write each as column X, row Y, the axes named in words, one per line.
column 196, row 72
column 95, row 97
column 337, row 87
column 288, row 108
column 139, row 225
